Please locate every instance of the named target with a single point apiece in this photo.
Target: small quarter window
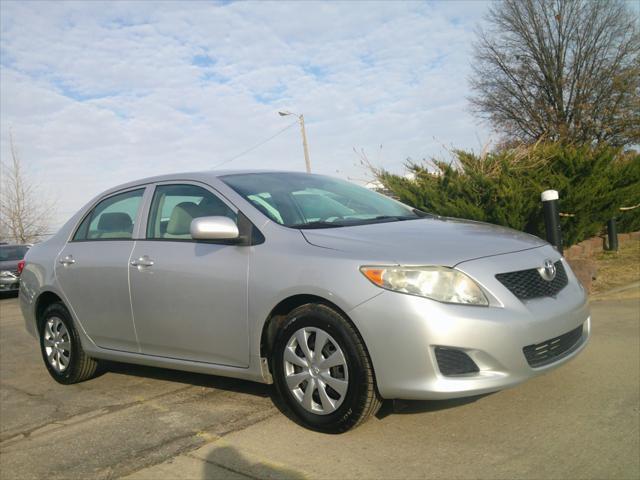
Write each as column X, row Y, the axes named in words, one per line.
column 112, row 218
column 175, row 206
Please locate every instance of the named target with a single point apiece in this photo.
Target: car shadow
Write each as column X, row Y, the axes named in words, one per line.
column 187, row 378
column 389, row 407
column 408, row 407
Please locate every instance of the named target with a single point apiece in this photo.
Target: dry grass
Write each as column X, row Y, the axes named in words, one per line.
column 617, row 269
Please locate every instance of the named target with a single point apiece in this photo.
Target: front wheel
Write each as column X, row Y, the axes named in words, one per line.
column 322, row 370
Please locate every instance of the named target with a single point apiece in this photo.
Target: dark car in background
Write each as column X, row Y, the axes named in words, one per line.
column 11, row 265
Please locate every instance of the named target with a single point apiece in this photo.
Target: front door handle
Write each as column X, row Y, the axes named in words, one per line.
column 68, row 260
column 142, row 262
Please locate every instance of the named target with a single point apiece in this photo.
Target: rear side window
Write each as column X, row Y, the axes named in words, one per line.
column 175, row 206
column 111, row 219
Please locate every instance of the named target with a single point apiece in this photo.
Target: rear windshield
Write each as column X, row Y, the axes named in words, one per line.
column 12, row 252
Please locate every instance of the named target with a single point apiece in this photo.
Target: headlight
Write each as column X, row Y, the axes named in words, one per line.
column 438, row 283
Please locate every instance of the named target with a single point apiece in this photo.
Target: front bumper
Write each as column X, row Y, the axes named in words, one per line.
column 402, row 332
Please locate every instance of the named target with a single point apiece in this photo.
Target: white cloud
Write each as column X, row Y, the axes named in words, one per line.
column 98, row 94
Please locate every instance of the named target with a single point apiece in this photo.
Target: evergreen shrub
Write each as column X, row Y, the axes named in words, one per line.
column 504, row 186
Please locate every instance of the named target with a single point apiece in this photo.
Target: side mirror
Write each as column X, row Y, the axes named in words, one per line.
column 214, row 228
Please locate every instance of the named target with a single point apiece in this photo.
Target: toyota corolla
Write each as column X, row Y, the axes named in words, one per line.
column 338, row 295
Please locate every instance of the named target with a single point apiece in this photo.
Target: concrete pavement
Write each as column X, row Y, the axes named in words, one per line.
column 580, row 421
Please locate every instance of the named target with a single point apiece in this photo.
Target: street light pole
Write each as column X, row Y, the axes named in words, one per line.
column 305, row 147
column 307, row 161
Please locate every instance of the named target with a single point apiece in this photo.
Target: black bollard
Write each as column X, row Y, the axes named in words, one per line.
column 552, row 218
column 612, row 235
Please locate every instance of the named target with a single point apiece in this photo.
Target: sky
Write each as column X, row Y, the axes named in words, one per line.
column 96, row 94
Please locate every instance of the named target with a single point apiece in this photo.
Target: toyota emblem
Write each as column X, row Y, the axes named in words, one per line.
column 548, row 271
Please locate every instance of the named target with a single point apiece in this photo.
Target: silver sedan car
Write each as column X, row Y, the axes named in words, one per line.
column 339, row 296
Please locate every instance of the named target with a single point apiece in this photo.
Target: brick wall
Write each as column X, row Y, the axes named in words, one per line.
column 587, row 248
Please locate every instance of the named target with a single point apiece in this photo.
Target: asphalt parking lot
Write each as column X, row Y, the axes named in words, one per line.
column 580, row 421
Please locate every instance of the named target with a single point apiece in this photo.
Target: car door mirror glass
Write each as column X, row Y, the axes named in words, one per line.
column 214, row 228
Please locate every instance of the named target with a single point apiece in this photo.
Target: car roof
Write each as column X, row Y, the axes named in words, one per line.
column 203, row 175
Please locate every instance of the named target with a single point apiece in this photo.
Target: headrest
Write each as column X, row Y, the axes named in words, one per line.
column 212, row 207
column 115, row 222
column 181, row 217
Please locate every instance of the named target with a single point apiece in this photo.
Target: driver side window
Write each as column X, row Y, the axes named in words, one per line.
column 175, row 206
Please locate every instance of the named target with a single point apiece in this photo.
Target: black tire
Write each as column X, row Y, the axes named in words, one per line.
column 80, row 366
column 361, row 400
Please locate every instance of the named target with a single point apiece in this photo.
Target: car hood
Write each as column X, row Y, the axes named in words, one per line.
column 426, row 241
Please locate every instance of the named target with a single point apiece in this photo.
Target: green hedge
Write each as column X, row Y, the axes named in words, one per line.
column 504, row 187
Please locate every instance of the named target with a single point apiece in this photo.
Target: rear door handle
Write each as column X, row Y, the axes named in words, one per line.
column 142, row 262
column 68, row 260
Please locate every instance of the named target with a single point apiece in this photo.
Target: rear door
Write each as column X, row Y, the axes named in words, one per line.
column 189, row 297
column 93, row 270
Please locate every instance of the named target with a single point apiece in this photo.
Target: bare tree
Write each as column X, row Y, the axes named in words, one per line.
column 24, row 214
column 559, row 69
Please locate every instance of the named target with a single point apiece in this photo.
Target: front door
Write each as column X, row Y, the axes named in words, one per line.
column 93, row 270
column 189, row 298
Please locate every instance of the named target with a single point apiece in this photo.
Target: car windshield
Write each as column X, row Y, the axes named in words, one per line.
column 299, row 200
column 12, row 252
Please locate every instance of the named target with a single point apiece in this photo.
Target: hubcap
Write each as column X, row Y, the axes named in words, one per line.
column 57, row 344
column 316, row 370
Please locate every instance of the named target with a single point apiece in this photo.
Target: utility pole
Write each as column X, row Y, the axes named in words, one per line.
column 305, row 147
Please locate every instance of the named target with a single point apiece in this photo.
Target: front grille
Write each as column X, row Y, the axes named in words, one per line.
column 527, row 284
column 552, row 350
column 454, row 362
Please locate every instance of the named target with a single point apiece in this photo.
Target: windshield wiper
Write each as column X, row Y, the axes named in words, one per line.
column 395, row 217
column 316, row 224
column 353, row 222
column 423, row 214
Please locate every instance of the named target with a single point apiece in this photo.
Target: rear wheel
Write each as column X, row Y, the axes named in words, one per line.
column 322, row 370
column 61, row 350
